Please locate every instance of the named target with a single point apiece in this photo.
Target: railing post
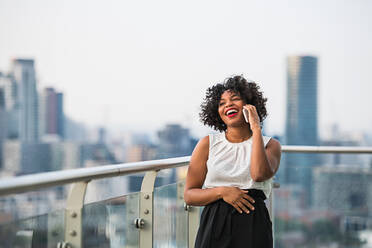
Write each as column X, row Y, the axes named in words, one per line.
column 73, row 216
column 181, row 219
column 271, row 207
column 55, row 228
column 275, row 185
column 146, row 207
column 132, row 211
column 193, row 223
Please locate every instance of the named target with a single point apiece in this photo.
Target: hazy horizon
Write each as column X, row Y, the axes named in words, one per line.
column 146, row 64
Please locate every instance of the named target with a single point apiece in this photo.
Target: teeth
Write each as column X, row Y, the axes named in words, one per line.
column 231, row 111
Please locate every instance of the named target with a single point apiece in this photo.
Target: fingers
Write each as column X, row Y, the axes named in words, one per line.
column 242, row 205
column 242, row 202
column 247, row 204
column 239, row 207
column 249, row 198
column 250, row 107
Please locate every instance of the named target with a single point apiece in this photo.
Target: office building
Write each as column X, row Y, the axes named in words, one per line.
column 51, row 113
column 301, row 121
column 24, row 76
column 10, row 106
column 174, row 141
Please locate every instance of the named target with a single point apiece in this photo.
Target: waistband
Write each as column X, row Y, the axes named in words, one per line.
column 256, row 194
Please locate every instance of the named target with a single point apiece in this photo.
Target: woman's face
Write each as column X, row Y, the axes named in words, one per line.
column 230, row 108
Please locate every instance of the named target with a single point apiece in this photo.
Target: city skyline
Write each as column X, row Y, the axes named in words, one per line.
column 104, row 64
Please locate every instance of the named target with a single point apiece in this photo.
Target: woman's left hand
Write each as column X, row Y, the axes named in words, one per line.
column 254, row 119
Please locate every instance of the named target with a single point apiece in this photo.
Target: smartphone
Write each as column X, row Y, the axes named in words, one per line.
column 245, row 113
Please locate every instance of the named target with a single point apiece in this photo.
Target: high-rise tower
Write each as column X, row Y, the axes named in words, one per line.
column 302, row 101
column 302, row 119
column 24, row 75
column 51, row 113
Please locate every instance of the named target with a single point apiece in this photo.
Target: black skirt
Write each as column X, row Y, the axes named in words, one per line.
column 222, row 226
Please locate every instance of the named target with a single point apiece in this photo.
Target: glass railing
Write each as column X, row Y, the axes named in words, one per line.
column 336, row 211
column 327, row 204
column 109, row 223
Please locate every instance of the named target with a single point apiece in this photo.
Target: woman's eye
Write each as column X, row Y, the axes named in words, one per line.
column 221, row 103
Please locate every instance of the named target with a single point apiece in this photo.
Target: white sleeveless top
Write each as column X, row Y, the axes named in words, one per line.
column 228, row 164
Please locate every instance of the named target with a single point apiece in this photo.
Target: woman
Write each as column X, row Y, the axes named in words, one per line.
column 230, row 173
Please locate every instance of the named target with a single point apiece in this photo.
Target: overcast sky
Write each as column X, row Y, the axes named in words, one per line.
column 142, row 64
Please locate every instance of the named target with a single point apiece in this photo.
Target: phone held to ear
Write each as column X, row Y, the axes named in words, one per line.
column 245, row 113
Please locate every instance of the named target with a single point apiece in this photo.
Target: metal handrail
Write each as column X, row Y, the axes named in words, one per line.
column 327, row 149
column 43, row 180
column 48, row 179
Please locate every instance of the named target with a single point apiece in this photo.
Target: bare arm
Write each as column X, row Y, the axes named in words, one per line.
column 194, row 194
column 264, row 161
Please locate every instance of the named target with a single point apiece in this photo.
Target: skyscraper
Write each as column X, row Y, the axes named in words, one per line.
column 302, row 101
column 51, row 113
column 10, row 101
column 24, row 75
column 302, row 119
column 3, row 123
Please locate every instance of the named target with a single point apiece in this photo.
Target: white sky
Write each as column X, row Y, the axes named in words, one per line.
column 148, row 63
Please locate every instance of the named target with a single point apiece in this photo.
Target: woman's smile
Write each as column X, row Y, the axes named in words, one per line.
column 231, row 112
column 230, row 107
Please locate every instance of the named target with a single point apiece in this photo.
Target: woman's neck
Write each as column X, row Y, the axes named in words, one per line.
column 237, row 134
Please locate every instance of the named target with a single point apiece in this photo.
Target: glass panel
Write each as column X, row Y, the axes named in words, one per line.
column 33, row 218
column 109, row 223
column 170, row 217
column 39, row 231
column 329, row 204
column 107, row 188
column 34, row 203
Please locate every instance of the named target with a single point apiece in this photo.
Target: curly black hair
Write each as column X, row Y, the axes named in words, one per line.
column 248, row 91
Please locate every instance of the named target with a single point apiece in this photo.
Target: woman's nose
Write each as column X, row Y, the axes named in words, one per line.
column 228, row 104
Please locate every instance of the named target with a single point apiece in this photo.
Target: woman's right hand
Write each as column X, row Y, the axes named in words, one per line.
column 237, row 198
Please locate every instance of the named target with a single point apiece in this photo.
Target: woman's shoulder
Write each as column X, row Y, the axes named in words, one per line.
column 272, row 142
column 207, row 141
column 201, row 149
column 203, row 143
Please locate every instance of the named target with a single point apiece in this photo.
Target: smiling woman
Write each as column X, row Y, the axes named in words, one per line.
column 230, row 172
column 249, row 92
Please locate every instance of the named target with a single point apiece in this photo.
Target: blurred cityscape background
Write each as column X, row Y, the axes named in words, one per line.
column 323, row 201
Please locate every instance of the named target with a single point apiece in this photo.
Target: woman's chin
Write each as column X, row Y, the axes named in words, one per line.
column 237, row 123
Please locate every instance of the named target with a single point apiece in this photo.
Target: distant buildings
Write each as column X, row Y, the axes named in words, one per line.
column 32, row 125
column 301, row 121
column 25, row 158
column 51, row 113
column 3, row 122
column 136, row 153
column 24, row 75
column 175, row 141
column 344, row 189
column 302, row 101
column 10, row 106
